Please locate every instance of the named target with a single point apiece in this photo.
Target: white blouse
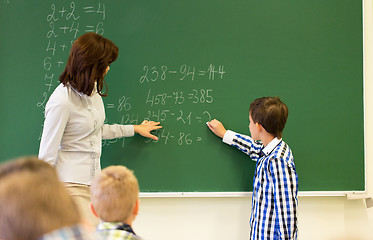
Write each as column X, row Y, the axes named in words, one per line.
column 72, row 134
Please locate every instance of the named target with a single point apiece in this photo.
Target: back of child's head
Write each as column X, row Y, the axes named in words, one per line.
column 271, row 113
column 32, row 200
column 114, row 193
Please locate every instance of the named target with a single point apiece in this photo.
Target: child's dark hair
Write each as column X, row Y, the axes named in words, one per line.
column 271, row 113
column 90, row 55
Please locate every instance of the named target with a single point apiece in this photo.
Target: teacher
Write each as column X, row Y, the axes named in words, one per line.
column 74, row 119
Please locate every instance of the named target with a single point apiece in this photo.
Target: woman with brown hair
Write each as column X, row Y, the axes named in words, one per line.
column 74, row 118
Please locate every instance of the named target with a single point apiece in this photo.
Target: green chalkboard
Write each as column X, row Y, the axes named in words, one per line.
column 185, row 62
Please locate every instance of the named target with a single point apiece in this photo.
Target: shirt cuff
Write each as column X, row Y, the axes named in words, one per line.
column 129, row 131
column 228, row 137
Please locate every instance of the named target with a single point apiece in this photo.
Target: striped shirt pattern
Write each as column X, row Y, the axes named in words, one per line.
column 275, row 189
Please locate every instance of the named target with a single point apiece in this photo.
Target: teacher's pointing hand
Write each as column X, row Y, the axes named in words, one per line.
column 146, row 127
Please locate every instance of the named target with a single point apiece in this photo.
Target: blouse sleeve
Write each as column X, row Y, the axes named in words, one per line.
column 56, row 118
column 117, row 131
column 243, row 143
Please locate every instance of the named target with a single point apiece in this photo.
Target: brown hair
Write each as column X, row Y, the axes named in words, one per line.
column 271, row 113
column 114, row 193
column 90, row 55
column 32, row 200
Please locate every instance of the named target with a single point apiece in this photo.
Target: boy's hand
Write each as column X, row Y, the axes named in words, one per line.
column 217, row 128
column 146, row 127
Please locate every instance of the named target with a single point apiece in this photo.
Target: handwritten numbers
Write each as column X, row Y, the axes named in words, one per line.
column 123, row 104
column 166, row 136
column 49, row 48
column 191, row 72
column 221, row 71
column 184, row 138
column 164, row 71
column 132, row 119
column 211, row 70
column 50, row 83
column 41, row 104
column 209, row 98
column 51, row 15
column 154, row 75
column 100, row 28
column 179, row 99
column 183, row 73
column 145, row 76
column 51, row 32
column 101, row 10
column 74, row 28
column 72, row 13
column 183, row 70
column 186, row 71
column 65, row 21
column 47, row 64
column 187, row 120
column 201, row 96
column 150, row 99
column 175, row 87
column 163, row 114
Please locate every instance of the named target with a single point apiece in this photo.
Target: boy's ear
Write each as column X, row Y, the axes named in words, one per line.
column 136, row 208
column 259, row 127
column 93, row 209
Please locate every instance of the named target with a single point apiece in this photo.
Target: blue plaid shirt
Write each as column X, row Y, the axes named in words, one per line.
column 275, row 188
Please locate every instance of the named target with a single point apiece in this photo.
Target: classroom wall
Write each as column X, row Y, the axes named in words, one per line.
column 321, row 218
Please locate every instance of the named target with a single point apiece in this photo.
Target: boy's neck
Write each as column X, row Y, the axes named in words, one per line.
column 266, row 139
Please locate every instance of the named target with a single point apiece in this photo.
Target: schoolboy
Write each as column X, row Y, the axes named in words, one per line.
column 35, row 205
column 115, row 200
column 275, row 185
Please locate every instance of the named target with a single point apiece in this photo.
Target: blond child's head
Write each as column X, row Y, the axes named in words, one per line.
column 114, row 194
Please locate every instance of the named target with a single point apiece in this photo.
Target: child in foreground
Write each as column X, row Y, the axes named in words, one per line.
column 115, row 200
column 35, row 205
column 275, row 184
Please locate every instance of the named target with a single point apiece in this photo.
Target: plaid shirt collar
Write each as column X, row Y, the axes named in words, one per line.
column 115, row 226
column 269, row 148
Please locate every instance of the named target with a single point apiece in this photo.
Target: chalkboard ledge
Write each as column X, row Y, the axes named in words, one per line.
column 248, row 194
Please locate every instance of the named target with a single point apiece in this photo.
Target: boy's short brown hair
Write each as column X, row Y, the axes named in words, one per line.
column 32, row 200
column 114, row 193
column 271, row 113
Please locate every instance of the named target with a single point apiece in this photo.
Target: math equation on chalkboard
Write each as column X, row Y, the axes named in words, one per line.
column 180, row 109
column 185, row 72
column 65, row 22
